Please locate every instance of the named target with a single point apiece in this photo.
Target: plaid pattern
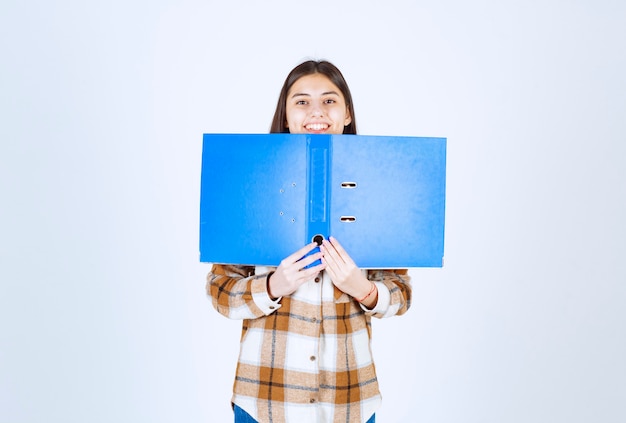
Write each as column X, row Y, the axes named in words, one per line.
column 306, row 357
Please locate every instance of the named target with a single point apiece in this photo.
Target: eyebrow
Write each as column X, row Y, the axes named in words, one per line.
column 308, row 95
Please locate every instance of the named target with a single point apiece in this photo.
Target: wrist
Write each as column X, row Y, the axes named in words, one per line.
column 368, row 296
column 269, row 291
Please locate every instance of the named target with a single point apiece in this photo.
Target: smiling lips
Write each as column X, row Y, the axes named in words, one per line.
column 316, row 126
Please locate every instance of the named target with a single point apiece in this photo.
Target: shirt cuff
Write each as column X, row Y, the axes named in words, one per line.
column 262, row 298
column 383, row 302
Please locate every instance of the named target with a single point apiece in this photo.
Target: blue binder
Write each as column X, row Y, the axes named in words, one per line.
column 264, row 196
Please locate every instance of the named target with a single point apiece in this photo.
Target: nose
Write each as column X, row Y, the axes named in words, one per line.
column 316, row 111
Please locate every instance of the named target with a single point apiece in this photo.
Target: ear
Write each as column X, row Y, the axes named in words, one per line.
column 348, row 119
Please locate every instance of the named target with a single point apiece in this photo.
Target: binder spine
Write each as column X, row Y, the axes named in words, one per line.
column 318, row 180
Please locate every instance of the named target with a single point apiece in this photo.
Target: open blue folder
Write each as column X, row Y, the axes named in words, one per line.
column 264, row 196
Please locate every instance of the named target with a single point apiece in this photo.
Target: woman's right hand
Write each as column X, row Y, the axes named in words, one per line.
column 292, row 272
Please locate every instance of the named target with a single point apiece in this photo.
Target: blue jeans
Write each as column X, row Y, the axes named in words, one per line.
column 243, row 417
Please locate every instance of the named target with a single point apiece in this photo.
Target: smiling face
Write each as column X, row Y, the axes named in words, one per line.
column 316, row 106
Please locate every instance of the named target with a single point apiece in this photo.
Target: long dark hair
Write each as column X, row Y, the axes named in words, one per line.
column 311, row 67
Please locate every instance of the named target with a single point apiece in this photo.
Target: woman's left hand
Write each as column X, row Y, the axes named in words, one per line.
column 344, row 273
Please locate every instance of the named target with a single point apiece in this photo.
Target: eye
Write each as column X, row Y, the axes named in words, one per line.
column 330, row 101
column 301, row 102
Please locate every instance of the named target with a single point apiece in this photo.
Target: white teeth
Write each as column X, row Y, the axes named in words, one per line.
column 316, row 126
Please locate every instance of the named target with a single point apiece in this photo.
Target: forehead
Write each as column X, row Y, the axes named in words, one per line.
column 314, row 84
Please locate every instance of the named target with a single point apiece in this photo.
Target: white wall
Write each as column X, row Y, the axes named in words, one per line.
column 103, row 315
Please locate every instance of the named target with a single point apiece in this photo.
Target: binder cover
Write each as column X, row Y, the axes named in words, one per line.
column 264, row 196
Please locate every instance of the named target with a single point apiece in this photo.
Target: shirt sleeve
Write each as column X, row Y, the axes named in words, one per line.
column 394, row 292
column 238, row 293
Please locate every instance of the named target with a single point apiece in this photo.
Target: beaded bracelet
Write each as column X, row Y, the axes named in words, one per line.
column 368, row 294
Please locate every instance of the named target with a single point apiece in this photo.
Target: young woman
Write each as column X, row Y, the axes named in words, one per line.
column 305, row 346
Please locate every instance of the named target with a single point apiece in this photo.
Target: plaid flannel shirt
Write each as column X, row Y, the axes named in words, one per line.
column 305, row 357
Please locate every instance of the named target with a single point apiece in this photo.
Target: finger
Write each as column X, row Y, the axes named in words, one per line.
column 306, row 275
column 334, row 268
column 333, row 254
column 307, row 260
column 300, row 253
column 340, row 250
column 329, row 253
column 311, row 272
column 330, row 268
